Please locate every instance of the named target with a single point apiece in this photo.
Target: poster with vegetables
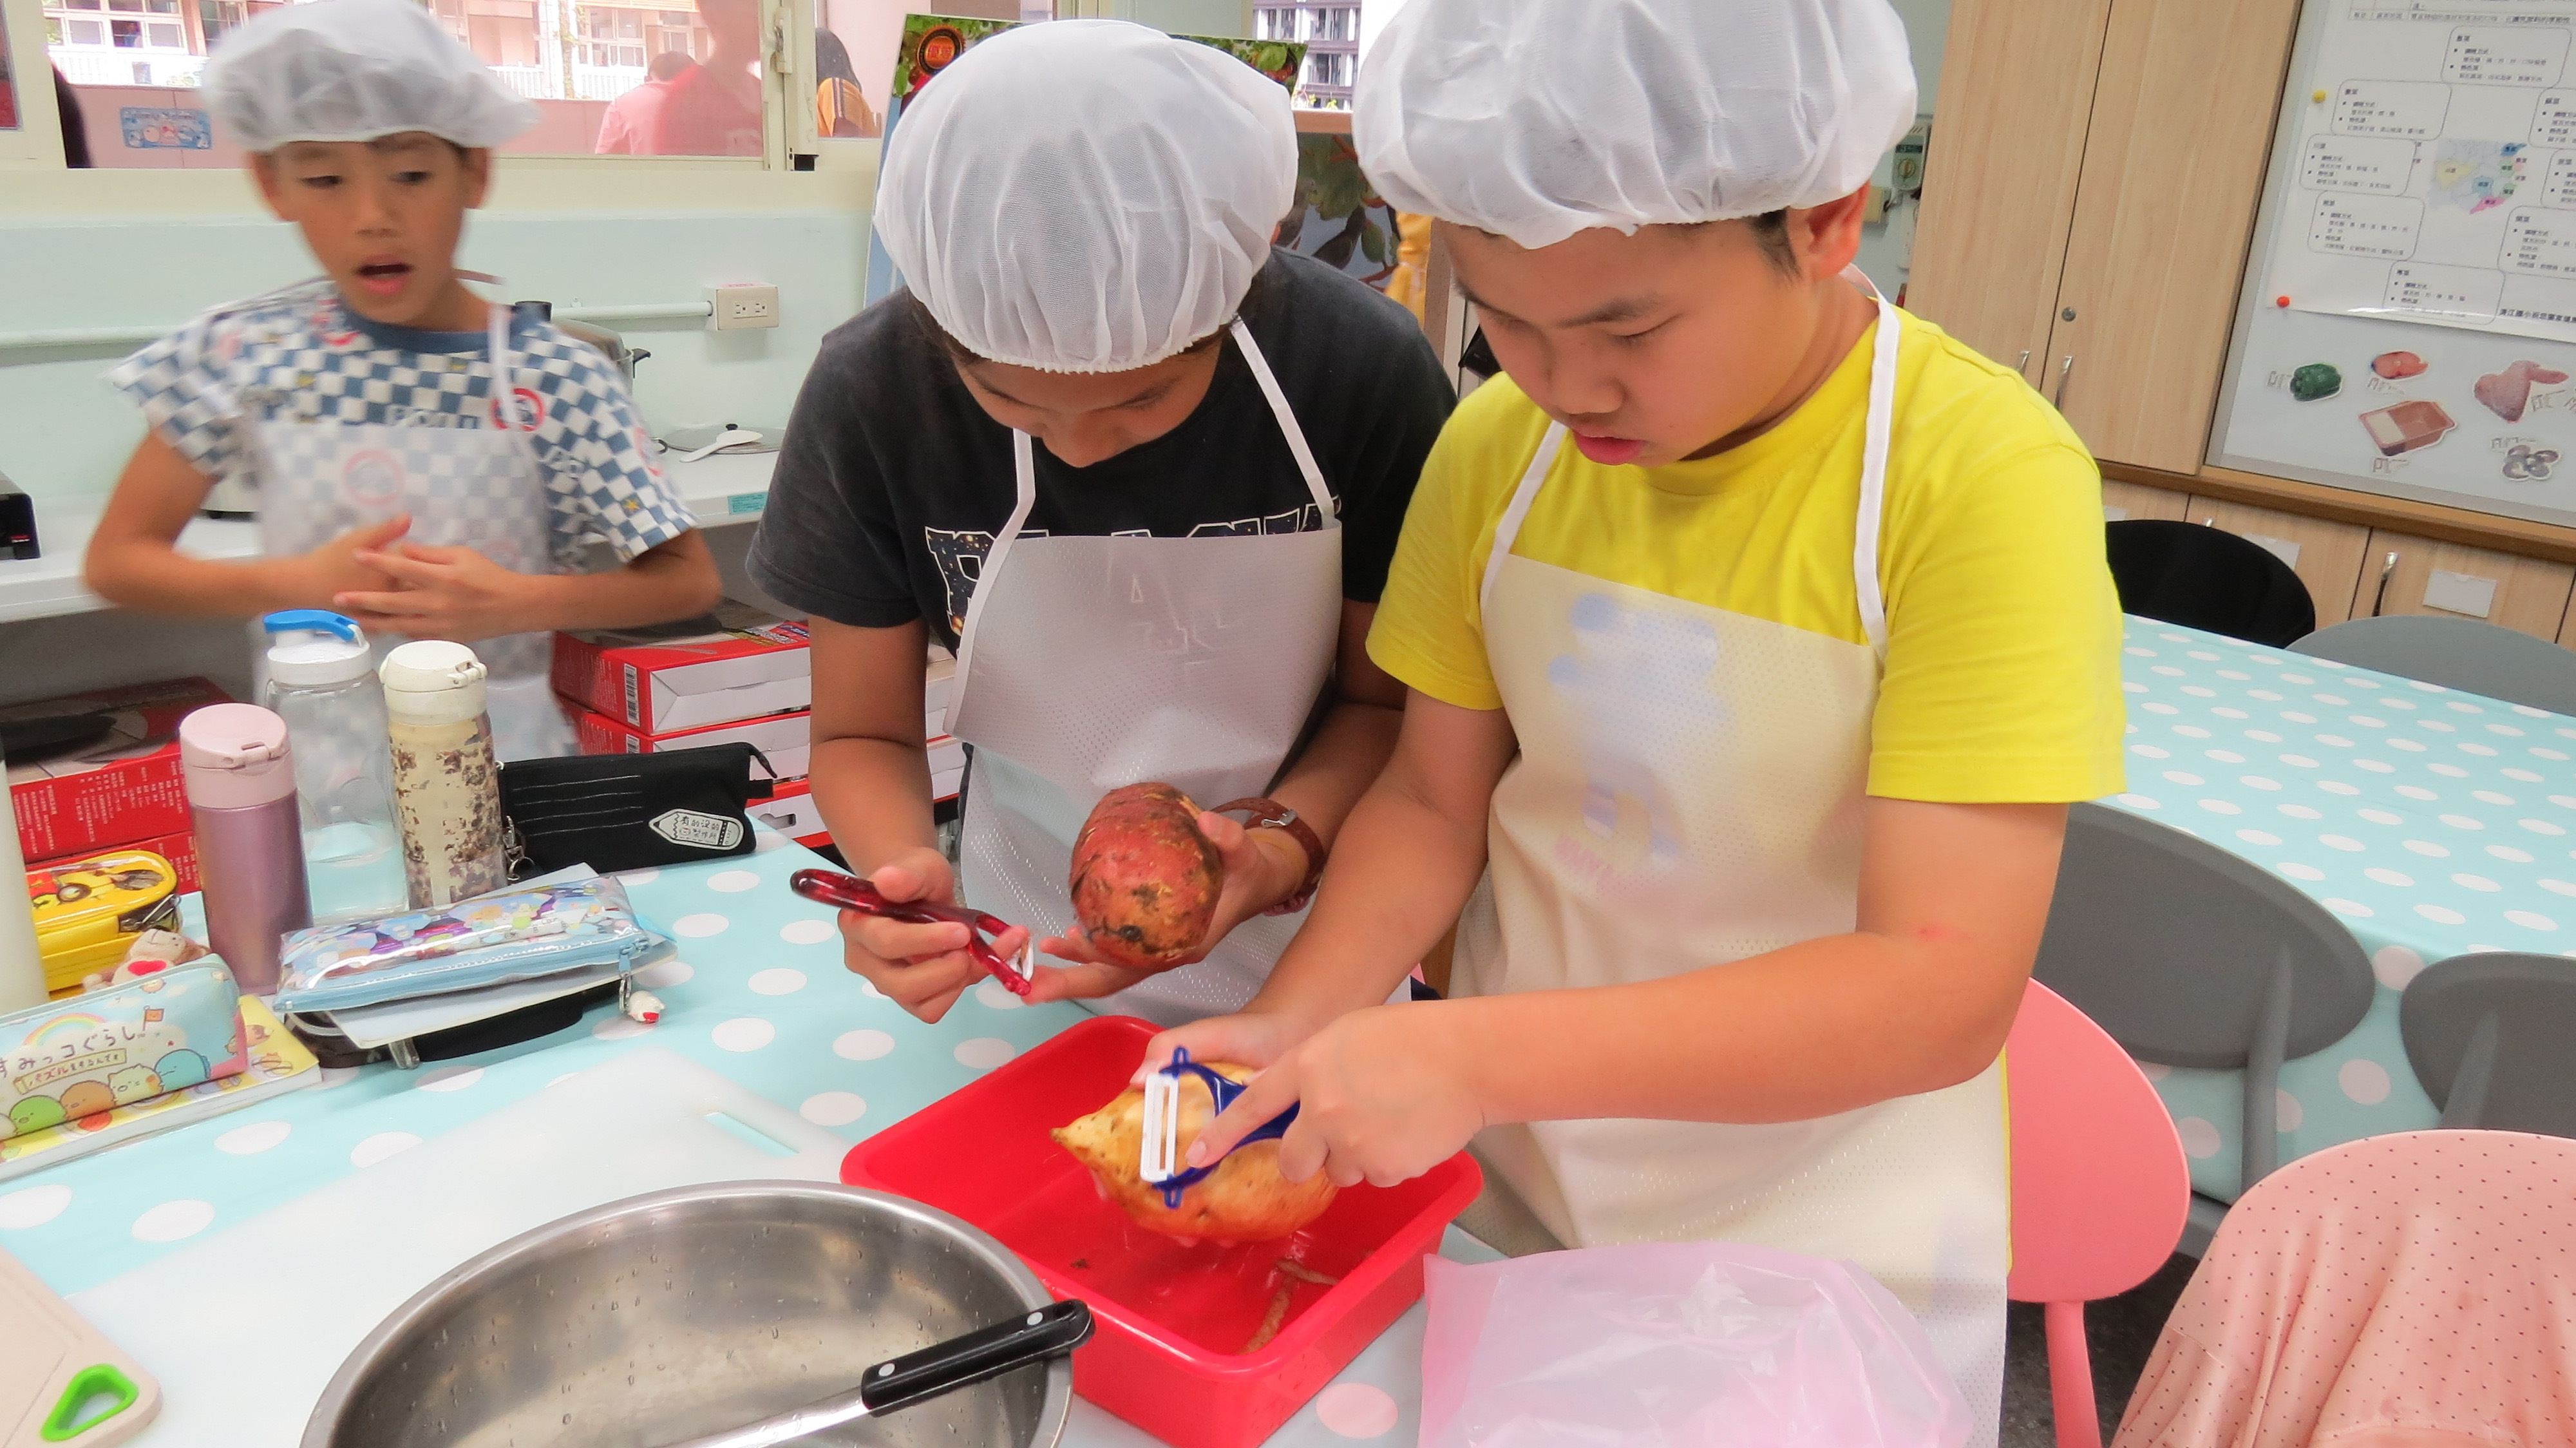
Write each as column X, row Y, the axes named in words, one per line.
column 1339, row 219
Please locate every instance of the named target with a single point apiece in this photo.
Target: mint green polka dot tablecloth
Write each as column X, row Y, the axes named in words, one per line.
column 2432, row 822
column 757, row 994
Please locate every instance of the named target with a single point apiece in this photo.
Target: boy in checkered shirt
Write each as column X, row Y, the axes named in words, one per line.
column 394, row 487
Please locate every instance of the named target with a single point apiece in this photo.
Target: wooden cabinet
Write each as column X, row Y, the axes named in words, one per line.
column 1999, row 193
column 2405, row 574
column 2164, row 213
column 2328, row 557
column 2121, row 501
column 2120, row 286
column 2087, row 217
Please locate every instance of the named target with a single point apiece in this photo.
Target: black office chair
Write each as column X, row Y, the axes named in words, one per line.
column 2207, row 578
column 2190, row 956
column 2488, row 1037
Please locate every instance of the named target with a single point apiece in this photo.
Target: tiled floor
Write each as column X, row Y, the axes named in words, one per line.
column 2121, row 1332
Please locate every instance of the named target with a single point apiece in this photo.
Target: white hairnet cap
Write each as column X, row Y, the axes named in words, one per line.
column 1535, row 119
column 353, row 70
column 1087, row 195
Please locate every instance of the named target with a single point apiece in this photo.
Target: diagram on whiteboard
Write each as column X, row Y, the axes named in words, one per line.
column 2436, row 168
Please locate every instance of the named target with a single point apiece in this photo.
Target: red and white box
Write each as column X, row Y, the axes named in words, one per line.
column 785, row 740
column 734, row 664
column 791, row 812
column 119, row 788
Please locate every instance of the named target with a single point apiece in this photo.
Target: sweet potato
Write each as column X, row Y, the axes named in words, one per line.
column 1244, row 1200
column 1145, row 881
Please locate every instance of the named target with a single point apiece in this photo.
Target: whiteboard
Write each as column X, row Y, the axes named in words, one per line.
column 2408, row 323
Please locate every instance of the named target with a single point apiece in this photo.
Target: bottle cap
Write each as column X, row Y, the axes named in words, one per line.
column 432, row 681
column 312, row 647
column 235, row 755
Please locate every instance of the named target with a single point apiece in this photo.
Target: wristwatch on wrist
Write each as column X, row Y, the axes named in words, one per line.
column 1270, row 814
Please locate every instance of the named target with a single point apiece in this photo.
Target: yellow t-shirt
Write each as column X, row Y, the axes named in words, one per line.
column 2002, row 681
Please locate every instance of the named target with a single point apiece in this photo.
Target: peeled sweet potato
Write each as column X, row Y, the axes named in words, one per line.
column 1244, row 1200
column 1145, row 881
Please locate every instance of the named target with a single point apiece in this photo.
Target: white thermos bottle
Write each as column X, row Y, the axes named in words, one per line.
column 447, row 785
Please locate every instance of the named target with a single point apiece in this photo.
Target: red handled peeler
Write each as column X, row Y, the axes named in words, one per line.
column 849, row 892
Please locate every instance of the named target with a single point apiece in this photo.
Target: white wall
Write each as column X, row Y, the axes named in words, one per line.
column 63, row 432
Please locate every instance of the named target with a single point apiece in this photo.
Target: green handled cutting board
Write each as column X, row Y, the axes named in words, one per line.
column 60, row 1382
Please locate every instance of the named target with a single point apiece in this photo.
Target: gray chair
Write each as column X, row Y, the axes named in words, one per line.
column 2190, row 956
column 2492, row 1037
column 2456, row 653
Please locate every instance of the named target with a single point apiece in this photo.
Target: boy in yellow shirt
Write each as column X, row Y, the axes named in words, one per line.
column 1758, row 635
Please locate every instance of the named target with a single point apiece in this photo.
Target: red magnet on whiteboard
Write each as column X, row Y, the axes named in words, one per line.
column 2280, row 301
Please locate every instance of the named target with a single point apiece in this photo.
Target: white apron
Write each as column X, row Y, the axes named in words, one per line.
column 1689, row 792
column 480, row 488
column 1091, row 663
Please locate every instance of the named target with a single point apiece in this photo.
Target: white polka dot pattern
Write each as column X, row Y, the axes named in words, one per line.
column 33, row 1206
column 760, row 997
column 2428, row 822
column 174, row 1221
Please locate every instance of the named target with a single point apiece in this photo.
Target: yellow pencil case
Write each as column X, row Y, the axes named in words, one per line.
column 89, row 911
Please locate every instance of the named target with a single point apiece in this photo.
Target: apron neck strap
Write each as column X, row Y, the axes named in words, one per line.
column 1508, row 528
column 1288, row 427
column 1884, row 344
column 1886, row 340
column 505, row 397
column 1025, row 473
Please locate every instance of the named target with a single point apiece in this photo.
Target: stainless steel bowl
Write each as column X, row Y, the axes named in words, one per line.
column 689, row 1311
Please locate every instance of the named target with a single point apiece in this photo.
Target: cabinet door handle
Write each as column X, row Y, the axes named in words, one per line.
column 2023, row 366
column 2387, row 569
column 2064, row 370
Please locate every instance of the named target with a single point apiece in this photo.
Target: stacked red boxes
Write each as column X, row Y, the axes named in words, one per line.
column 719, row 668
column 736, row 675
column 114, row 783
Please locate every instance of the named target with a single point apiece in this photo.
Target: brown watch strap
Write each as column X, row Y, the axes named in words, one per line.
column 1270, row 814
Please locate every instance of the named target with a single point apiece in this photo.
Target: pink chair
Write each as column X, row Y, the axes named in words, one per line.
column 2406, row 1291
column 2099, row 1186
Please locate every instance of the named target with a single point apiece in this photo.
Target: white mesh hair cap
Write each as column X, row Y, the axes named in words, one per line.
column 1087, row 195
column 1535, row 119
column 354, row 70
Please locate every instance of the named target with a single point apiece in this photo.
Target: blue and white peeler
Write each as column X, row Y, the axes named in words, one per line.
column 1162, row 1144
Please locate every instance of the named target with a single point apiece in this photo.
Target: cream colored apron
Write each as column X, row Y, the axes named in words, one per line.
column 1689, row 793
column 475, row 487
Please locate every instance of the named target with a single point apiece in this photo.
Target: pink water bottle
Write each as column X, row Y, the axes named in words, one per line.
column 250, row 839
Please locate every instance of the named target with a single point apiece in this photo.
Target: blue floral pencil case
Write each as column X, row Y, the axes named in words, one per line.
column 525, row 933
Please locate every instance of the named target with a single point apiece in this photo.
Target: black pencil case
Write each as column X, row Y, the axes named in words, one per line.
column 632, row 811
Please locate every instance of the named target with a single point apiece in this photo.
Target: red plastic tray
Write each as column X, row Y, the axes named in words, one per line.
column 1173, row 1319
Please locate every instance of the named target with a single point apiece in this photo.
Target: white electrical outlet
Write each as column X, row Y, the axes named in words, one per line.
column 737, row 307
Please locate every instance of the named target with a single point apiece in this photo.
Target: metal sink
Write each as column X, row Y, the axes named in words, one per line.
column 688, row 1311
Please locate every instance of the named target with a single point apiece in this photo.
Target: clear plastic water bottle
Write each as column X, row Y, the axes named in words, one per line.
column 322, row 682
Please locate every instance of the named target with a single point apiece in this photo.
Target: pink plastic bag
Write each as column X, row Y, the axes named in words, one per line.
column 1677, row 1345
